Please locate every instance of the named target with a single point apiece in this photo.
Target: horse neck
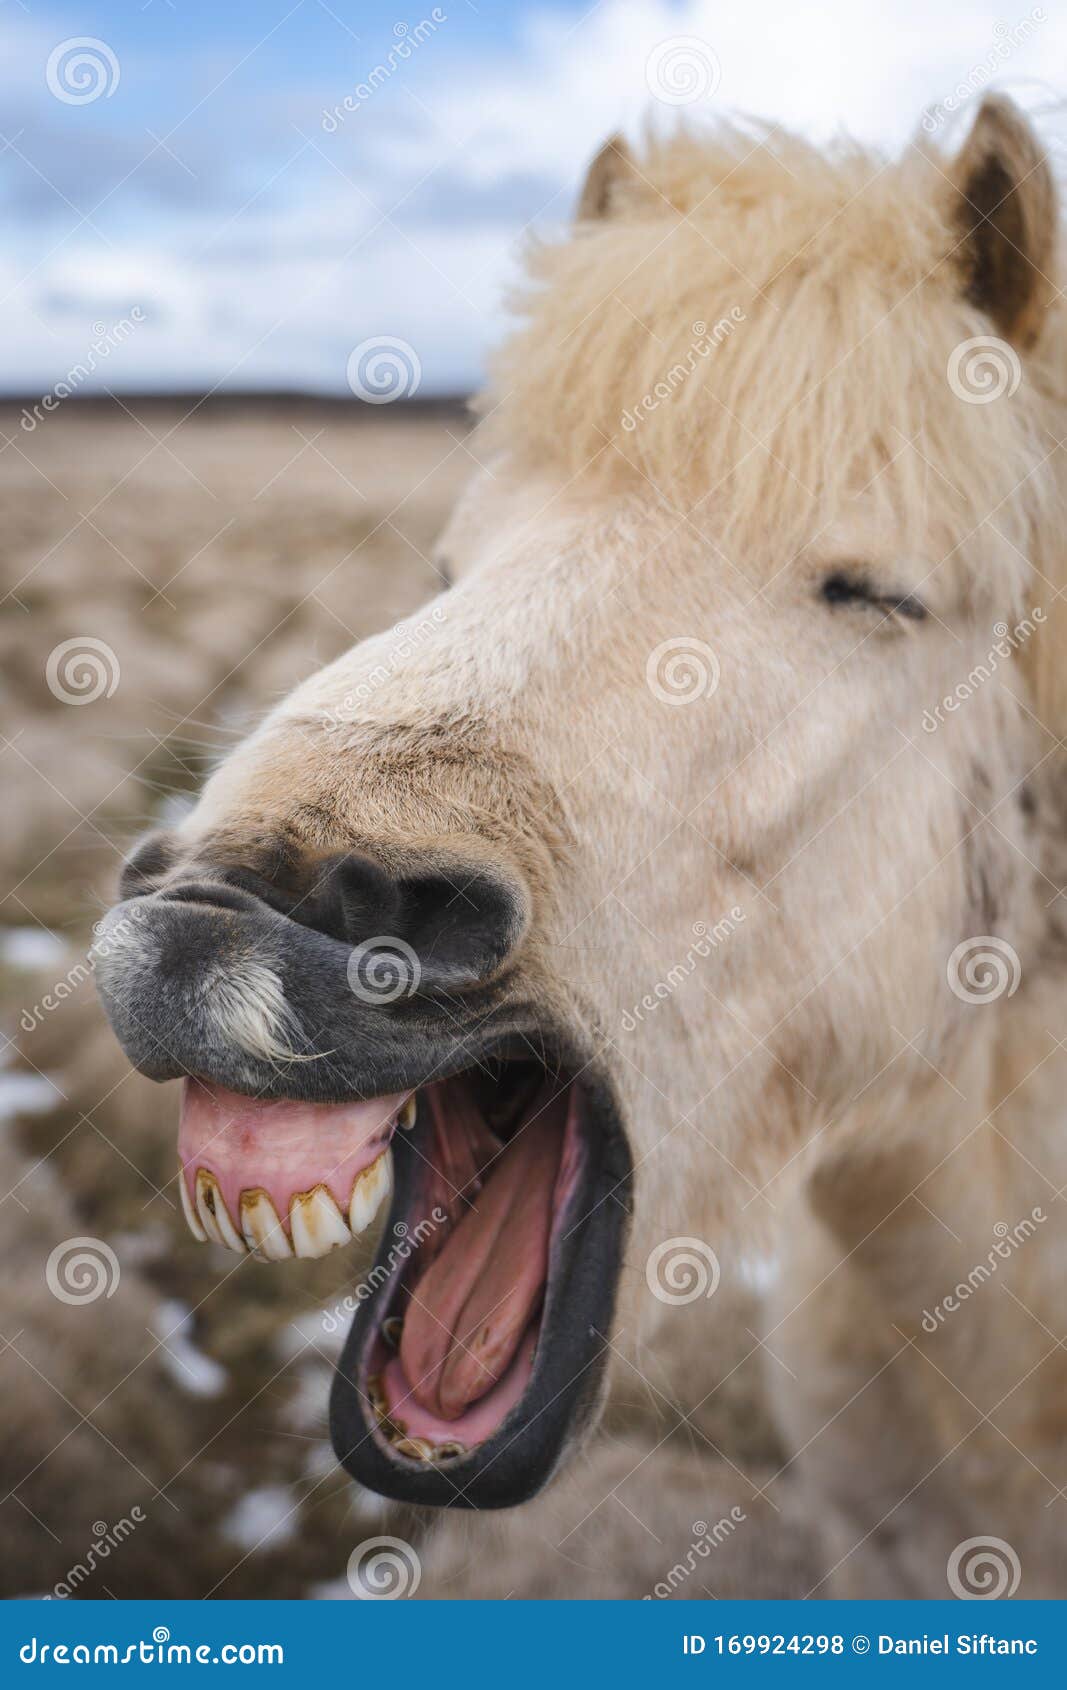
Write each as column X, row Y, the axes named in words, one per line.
column 943, row 1192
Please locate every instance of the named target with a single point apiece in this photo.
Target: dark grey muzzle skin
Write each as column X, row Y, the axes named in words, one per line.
column 383, row 985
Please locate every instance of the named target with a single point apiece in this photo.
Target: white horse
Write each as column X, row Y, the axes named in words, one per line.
column 689, row 889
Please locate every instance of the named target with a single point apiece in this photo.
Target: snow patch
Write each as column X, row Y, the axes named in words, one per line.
column 28, row 1094
column 32, row 947
column 263, row 1518
column 189, row 1367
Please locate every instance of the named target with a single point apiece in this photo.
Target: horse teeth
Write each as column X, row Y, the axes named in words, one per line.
column 416, row 1449
column 263, row 1231
column 376, row 1394
column 213, row 1214
column 373, row 1184
column 207, row 1190
column 406, row 1117
column 450, row 1451
column 316, row 1223
column 191, row 1217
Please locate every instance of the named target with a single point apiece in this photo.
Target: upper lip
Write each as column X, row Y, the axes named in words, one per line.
column 158, row 995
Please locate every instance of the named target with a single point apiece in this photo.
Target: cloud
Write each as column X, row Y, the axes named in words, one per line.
column 271, row 244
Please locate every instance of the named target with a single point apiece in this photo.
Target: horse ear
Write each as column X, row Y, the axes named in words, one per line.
column 614, row 167
column 1007, row 209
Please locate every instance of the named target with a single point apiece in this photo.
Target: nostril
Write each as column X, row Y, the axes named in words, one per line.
column 462, row 919
column 464, row 922
column 151, row 858
column 357, row 897
column 207, row 892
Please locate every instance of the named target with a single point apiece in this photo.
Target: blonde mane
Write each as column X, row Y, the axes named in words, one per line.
column 761, row 332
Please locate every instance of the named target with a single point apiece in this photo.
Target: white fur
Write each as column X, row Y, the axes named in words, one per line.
column 247, row 1002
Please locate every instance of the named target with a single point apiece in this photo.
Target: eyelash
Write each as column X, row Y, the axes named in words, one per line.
column 841, row 588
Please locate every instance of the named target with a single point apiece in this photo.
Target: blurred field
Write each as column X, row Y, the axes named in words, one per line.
column 169, row 1439
column 220, row 556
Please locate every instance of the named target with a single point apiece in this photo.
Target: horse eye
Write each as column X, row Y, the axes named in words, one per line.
column 839, row 587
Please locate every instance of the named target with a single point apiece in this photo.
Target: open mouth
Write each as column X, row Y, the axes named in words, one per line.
column 477, row 1344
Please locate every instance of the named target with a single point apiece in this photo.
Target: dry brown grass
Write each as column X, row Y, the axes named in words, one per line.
column 221, row 557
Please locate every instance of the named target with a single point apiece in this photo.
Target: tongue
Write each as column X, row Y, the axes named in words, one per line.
column 471, row 1307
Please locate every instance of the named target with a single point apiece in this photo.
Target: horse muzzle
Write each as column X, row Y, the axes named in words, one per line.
column 365, row 979
column 388, row 1050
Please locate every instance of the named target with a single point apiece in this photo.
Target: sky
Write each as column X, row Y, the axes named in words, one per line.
column 229, row 196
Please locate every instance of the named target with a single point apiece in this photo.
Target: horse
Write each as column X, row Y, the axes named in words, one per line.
column 674, row 908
